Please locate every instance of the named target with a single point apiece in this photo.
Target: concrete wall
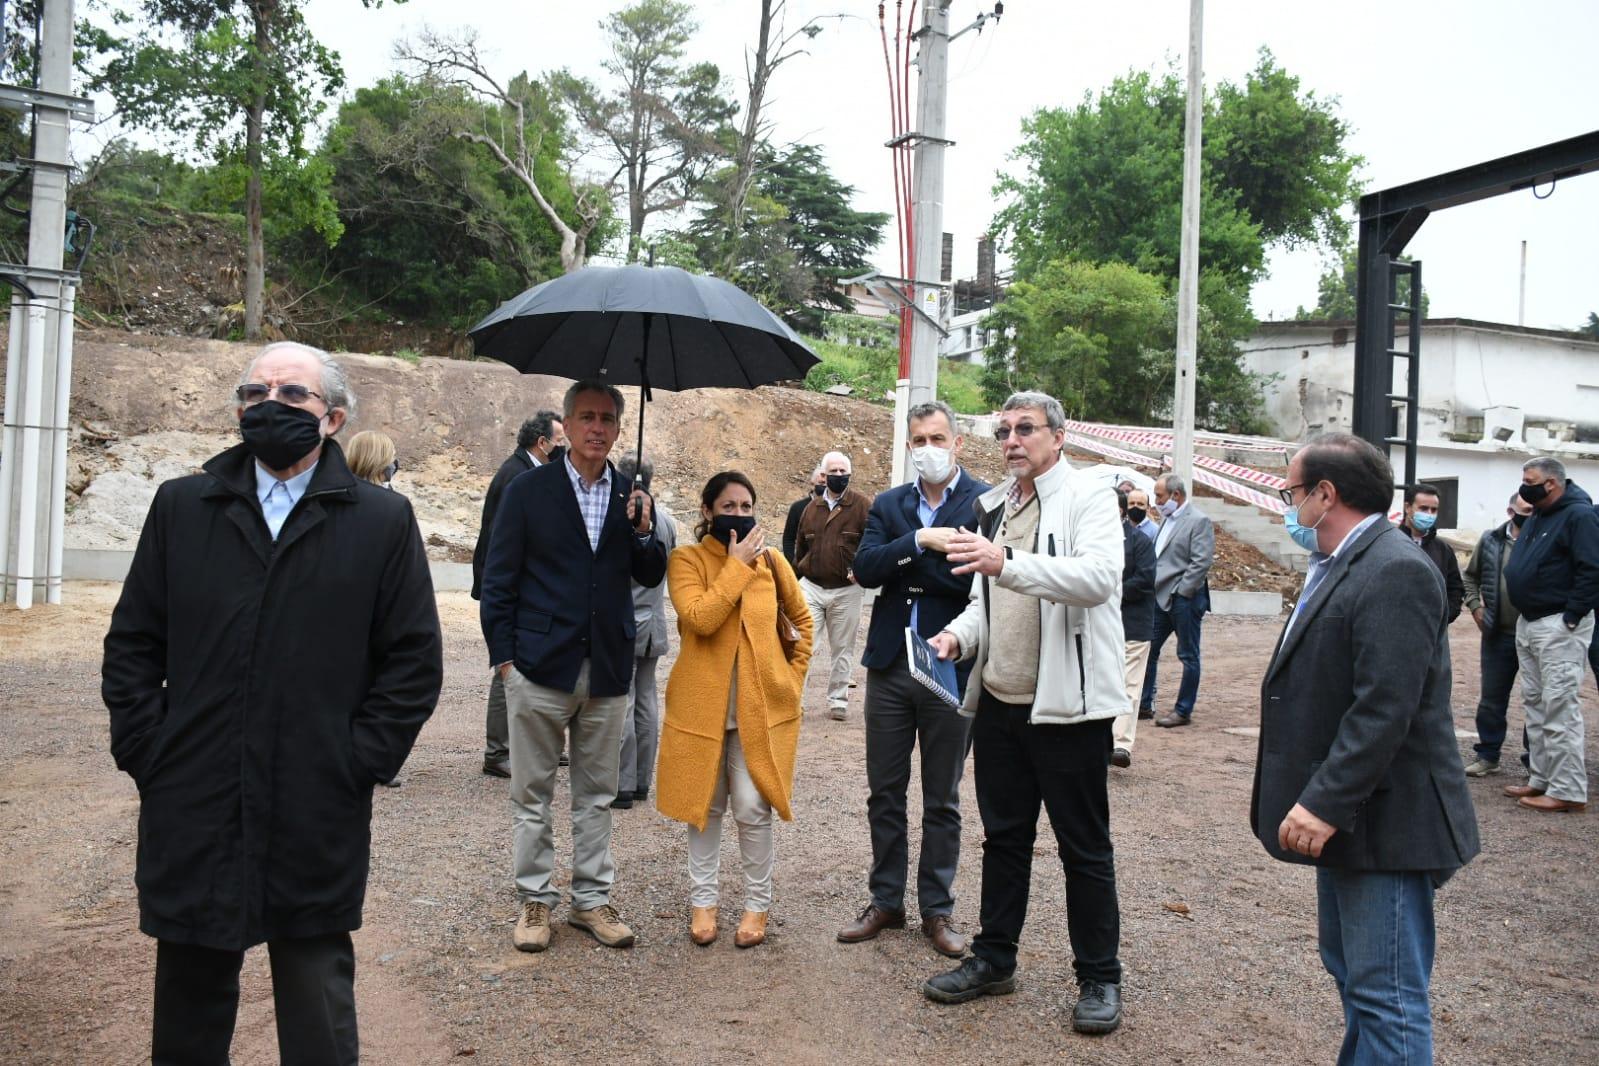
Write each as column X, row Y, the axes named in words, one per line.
column 1488, row 476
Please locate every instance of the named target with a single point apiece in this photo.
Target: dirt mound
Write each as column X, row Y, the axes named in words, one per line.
column 147, row 408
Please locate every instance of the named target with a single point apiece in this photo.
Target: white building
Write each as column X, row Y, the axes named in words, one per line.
column 1492, row 396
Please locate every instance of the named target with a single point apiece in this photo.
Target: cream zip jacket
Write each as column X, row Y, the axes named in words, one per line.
column 1075, row 571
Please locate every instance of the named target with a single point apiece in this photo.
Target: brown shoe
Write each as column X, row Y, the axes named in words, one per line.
column 604, row 924
column 1551, row 805
column 1172, row 720
column 1522, row 791
column 702, row 926
column 751, row 930
column 872, row 920
column 941, row 931
column 532, row 927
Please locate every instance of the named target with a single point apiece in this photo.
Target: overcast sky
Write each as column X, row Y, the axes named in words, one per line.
column 1426, row 86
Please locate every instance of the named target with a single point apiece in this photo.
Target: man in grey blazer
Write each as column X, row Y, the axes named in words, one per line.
column 1356, row 772
column 1184, row 549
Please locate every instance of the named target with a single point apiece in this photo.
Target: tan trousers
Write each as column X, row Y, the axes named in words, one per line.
column 1126, row 724
column 836, row 612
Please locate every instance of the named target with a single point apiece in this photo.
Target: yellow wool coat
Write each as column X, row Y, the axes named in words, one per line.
column 725, row 607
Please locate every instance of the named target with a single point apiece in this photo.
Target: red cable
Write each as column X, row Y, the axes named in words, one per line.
column 909, row 192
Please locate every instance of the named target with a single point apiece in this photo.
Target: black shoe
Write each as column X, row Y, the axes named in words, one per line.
column 496, row 768
column 1099, row 1008
column 641, row 795
column 622, row 802
column 1121, row 757
column 1145, row 713
column 972, row 978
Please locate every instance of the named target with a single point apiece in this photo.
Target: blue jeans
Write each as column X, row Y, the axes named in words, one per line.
column 1377, row 941
column 1499, row 667
column 1183, row 619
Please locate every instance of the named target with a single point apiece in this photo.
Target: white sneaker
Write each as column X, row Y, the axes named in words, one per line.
column 1482, row 768
column 838, row 711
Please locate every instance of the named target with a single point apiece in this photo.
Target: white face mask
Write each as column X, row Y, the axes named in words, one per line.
column 933, row 464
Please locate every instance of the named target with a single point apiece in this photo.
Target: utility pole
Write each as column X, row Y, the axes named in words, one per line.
column 39, row 356
column 1521, row 302
column 1188, row 266
column 925, row 291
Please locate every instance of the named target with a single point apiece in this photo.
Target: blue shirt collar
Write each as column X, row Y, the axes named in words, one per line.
column 922, row 496
column 265, row 480
column 1317, row 558
column 577, row 479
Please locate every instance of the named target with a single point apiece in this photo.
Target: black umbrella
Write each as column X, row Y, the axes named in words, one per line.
column 657, row 327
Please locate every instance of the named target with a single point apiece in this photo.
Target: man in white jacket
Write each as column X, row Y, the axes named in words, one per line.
column 1047, row 570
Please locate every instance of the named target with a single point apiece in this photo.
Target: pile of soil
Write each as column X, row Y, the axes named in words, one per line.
column 146, row 408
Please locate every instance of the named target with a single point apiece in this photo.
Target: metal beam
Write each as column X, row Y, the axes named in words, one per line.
column 1482, row 181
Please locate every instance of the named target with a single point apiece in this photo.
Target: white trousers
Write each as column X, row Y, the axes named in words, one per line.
column 836, row 612
column 753, row 816
column 1125, row 728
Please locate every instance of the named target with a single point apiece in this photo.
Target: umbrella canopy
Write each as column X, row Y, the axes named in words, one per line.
column 659, row 327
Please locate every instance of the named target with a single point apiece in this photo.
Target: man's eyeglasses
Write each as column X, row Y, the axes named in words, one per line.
column 1021, row 429
column 291, row 394
column 1288, row 493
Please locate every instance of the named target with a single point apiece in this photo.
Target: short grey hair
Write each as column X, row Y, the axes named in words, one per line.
column 1054, row 414
column 1548, row 467
column 839, row 455
column 336, row 391
column 569, row 404
column 932, row 407
column 1174, row 484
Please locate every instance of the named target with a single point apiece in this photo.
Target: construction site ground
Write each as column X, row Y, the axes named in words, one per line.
column 1218, row 939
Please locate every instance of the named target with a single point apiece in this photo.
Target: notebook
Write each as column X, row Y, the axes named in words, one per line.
column 937, row 674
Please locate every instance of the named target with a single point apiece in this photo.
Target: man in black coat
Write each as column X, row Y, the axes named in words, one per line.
column 536, row 442
column 1357, row 772
column 796, row 510
column 570, row 540
column 902, row 554
column 1420, row 522
column 274, row 653
column 1138, row 624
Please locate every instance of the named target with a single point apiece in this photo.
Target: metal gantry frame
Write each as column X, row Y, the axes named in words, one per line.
column 1388, row 220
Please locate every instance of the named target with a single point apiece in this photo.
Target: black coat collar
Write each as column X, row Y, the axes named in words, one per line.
column 233, row 474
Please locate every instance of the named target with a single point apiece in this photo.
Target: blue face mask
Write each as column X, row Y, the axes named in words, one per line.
column 1304, row 536
column 1421, row 521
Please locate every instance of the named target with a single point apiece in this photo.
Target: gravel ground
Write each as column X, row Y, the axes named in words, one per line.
column 1218, row 940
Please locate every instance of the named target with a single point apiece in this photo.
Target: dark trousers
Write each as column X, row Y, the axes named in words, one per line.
column 1593, row 655
column 900, row 713
column 1182, row 618
column 1063, row 767
column 313, row 992
column 1499, row 667
column 496, row 730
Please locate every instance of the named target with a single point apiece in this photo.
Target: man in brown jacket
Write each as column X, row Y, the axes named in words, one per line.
column 829, row 532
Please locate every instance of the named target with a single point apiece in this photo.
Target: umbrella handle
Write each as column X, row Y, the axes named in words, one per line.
column 643, row 398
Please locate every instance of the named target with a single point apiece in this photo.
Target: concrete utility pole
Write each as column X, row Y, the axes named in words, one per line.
column 1521, row 301
column 1188, row 265
column 33, row 466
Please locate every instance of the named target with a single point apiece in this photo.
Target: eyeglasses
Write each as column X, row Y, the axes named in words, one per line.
column 1021, row 429
column 291, row 394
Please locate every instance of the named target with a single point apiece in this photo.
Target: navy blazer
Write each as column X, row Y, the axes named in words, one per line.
column 549, row 601
column 888, row 560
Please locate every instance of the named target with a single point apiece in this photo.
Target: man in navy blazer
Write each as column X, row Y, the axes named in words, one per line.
column 902, row 554
column 570, row 539
column 1357, row 772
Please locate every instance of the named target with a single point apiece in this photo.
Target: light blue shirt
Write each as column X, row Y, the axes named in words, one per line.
column 1320, row 564
column 924, row 514
column 1165, row 528
column 1149, row 528
column 279, row 497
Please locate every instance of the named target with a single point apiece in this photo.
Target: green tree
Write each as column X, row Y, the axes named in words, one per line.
column 434, row 224
column 665, row 123
column 1101, row 338
column 800, row 233
column 1590, row 327
column 242, row 81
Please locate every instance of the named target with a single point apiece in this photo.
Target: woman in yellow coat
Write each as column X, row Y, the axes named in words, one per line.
column 733, row 700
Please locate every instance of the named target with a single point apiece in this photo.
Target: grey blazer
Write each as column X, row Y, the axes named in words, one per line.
column 1355, row 721
column 1182, row 562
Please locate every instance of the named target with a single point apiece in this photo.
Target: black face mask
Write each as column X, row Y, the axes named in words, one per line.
column 555, row 454
column 1136, row 515
column 723, row 525
column 279, row 435
column 1533, row 494
column 1519, row 520
column 837, row 483
column 818, row 489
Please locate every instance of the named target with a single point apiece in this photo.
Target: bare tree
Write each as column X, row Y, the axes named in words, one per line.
column 457, row 62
